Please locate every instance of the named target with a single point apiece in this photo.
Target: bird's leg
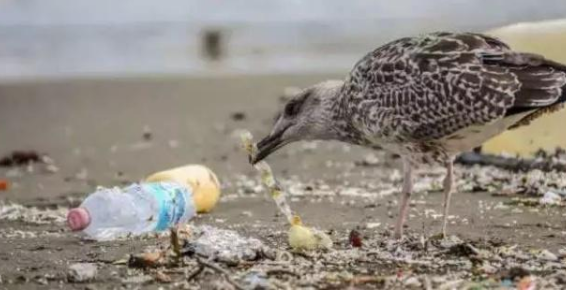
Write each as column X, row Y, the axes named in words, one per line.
column 404, row 198
column 448, row 186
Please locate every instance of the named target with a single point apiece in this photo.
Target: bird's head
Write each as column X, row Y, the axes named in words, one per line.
column 306, row 116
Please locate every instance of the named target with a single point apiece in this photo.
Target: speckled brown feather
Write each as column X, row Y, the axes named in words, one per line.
column 415, row 92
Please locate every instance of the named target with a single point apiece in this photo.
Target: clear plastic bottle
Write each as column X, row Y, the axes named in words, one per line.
column 139, row 208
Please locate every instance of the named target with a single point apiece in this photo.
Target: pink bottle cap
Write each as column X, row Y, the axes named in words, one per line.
column 78, row 219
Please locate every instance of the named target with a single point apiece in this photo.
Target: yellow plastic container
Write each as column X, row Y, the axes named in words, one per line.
column 203, row 182
column 547, row 38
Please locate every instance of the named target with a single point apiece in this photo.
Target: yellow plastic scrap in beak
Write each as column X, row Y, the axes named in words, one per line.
column 300, row 237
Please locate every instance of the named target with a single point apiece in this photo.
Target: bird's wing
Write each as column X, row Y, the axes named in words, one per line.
column 432, row 86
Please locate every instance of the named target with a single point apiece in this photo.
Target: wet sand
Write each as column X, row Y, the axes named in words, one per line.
column 93, row 129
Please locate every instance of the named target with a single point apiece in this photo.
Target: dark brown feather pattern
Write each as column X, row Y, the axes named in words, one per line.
column 423, row 89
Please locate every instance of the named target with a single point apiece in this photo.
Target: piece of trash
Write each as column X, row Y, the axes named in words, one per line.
column 372, row 225
column 304, row 238
column 145, row 260
column 162, row 277
column 547, row 255
column 147, row 133
column 213, row 42
column 527, row 283
column 20, row 157
column 256, row 281
column 355, row 238
column 369, row 160
column 204, row 183
column 222, row 244
column 289, row 92
column 111, row 213
column 17, row 212
column 50, row 168
column 550, row 198
column 82, row 174
column 267, row 178
column 4, row 185
column 82, row 272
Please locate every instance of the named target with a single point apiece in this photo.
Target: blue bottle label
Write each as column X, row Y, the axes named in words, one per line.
column 171, row 199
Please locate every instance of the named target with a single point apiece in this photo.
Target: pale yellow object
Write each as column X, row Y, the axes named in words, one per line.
column 203, row 182
column 302, row 238
column 547, row 38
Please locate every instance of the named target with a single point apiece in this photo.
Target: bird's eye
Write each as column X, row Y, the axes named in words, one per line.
column 292, row 108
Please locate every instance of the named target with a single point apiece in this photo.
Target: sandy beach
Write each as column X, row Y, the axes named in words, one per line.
column 93, row 130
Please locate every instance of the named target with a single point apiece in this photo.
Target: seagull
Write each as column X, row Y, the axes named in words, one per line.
column 427, row 99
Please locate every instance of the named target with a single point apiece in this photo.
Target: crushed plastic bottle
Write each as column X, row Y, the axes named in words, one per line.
column 139, row 208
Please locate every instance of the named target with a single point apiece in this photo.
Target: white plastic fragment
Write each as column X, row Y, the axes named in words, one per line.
column 82, row 272
column 550, row 198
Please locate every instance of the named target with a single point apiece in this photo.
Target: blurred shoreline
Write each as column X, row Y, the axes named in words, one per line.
column 62, row 40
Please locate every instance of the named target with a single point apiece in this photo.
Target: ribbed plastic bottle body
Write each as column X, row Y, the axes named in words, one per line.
column 137, row 209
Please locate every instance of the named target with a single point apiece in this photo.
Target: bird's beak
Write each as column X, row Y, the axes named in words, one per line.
column 268, row 145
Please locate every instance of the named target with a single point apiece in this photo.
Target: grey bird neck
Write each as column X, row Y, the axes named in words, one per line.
column 334, row 100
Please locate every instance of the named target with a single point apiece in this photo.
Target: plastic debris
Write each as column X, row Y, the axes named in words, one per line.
column 162, row 277
column 304, row 238
column 224, row 245
column 20, row 157
column 527, row 283
column 199, row 178
column 82, row 272
column 267, row 177
column 3, row 185
column 550, row 198
column 547, row 255
column 145, row 260
column 16, row 212
column 256, row 281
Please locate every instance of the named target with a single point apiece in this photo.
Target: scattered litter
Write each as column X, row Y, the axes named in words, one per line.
column 3, row 185
column 223, row 244
column 238, row 116
column 162, row 277
column 82, row 272
column 20, row 157
column 299, row 236
column 256, row 281
column 355, row 238
column 547, row 255
column 372, row 225
column 137, row 280
column 145, row 260
column 369, row 160
column 527, row 283
column 550, row 198
column 304, row 238
column 16, row 212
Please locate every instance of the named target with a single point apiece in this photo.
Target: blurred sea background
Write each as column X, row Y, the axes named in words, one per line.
column 57, row 39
